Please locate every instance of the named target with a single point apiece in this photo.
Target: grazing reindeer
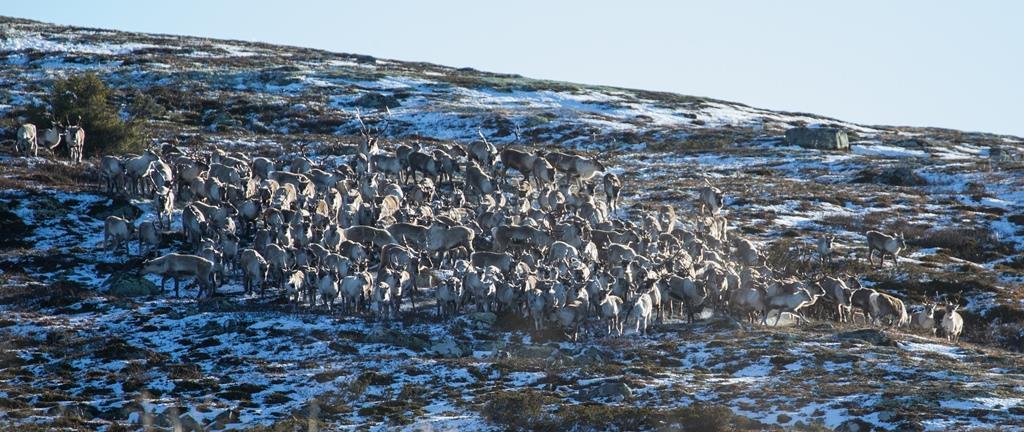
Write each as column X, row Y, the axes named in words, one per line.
column 117, row 231
column 570, row 317
column 952, row 323
column 885, row 245
column 887, row 307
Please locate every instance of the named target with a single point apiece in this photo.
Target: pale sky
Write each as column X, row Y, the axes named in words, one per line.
column 920, row 63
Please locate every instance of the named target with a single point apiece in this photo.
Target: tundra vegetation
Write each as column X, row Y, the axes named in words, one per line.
column 343, row 268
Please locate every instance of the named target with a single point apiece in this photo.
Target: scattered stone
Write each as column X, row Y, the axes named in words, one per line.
column 225, row 417
column 783, row 418
column 872, row 336
column 854, row 425
column 886, row 416
column 480, row 320
column 818, row 138
column 377, row 101
column 188, row 424
column 448, row 348
column 591, row 356
column 388, row 336
column 535, row 351
column 608, row 390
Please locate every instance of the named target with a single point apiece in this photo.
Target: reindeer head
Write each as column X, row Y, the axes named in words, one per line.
column 370, row 135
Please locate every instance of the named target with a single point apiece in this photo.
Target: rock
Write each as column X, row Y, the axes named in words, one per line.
column 16, row 231
column 535, row 351
column 590, row 356
column 783, row 418
column 608, row 390
column 447, row 348
column 392, row 337
column 481, row 320
column 377, row 101
column 130, row 285
column 118, row 206
column 818, row 138
column 225, row 417
column 188, row 424
column 871, row 336
column 854, row 425
column 886, row 416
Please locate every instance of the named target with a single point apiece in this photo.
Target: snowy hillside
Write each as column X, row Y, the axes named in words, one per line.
column 75, row 356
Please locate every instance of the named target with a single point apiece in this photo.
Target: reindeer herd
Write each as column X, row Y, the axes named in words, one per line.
column 28, row 139
column 465, row 228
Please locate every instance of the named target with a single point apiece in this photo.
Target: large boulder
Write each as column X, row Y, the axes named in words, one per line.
column 480, row 320
column 118, row 206
column 385, row 335
column 447, row 348
column 130, row 285
column 818, row 138
column 609, row 390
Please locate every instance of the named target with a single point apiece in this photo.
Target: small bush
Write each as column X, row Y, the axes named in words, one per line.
column 86, row 95
column 517, row 410
column 972, row 244
column 143, row 106
column 525, row 410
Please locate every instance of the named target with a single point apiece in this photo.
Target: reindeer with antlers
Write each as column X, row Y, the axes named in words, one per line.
column 371, row 135
column 74, row 136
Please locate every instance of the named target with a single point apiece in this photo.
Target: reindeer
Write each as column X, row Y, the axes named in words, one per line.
column 26, row 140
column 74, row 136
column 924, row 319
column 51, row 138
column 612, row 188
column 824, row 245
column 177, row 266
column 803, row 297
column 885, row 244
column 952, row 323
column 369, row 145
column 710, row 198
column 117, row 231
column 482, row 151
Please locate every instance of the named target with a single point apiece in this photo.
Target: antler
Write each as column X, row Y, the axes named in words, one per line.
column 481, row 133
column 365, row 131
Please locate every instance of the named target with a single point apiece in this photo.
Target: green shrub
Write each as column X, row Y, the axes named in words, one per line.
column 86, row 95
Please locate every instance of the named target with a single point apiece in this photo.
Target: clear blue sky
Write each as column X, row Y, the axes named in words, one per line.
column 922, row 63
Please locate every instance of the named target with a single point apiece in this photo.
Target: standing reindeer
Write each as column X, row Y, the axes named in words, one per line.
column 26, row 143
column 885, row 245
column 74, row 136
column 371, row 136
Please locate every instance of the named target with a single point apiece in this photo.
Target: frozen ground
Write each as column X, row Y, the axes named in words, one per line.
column 73, row 356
